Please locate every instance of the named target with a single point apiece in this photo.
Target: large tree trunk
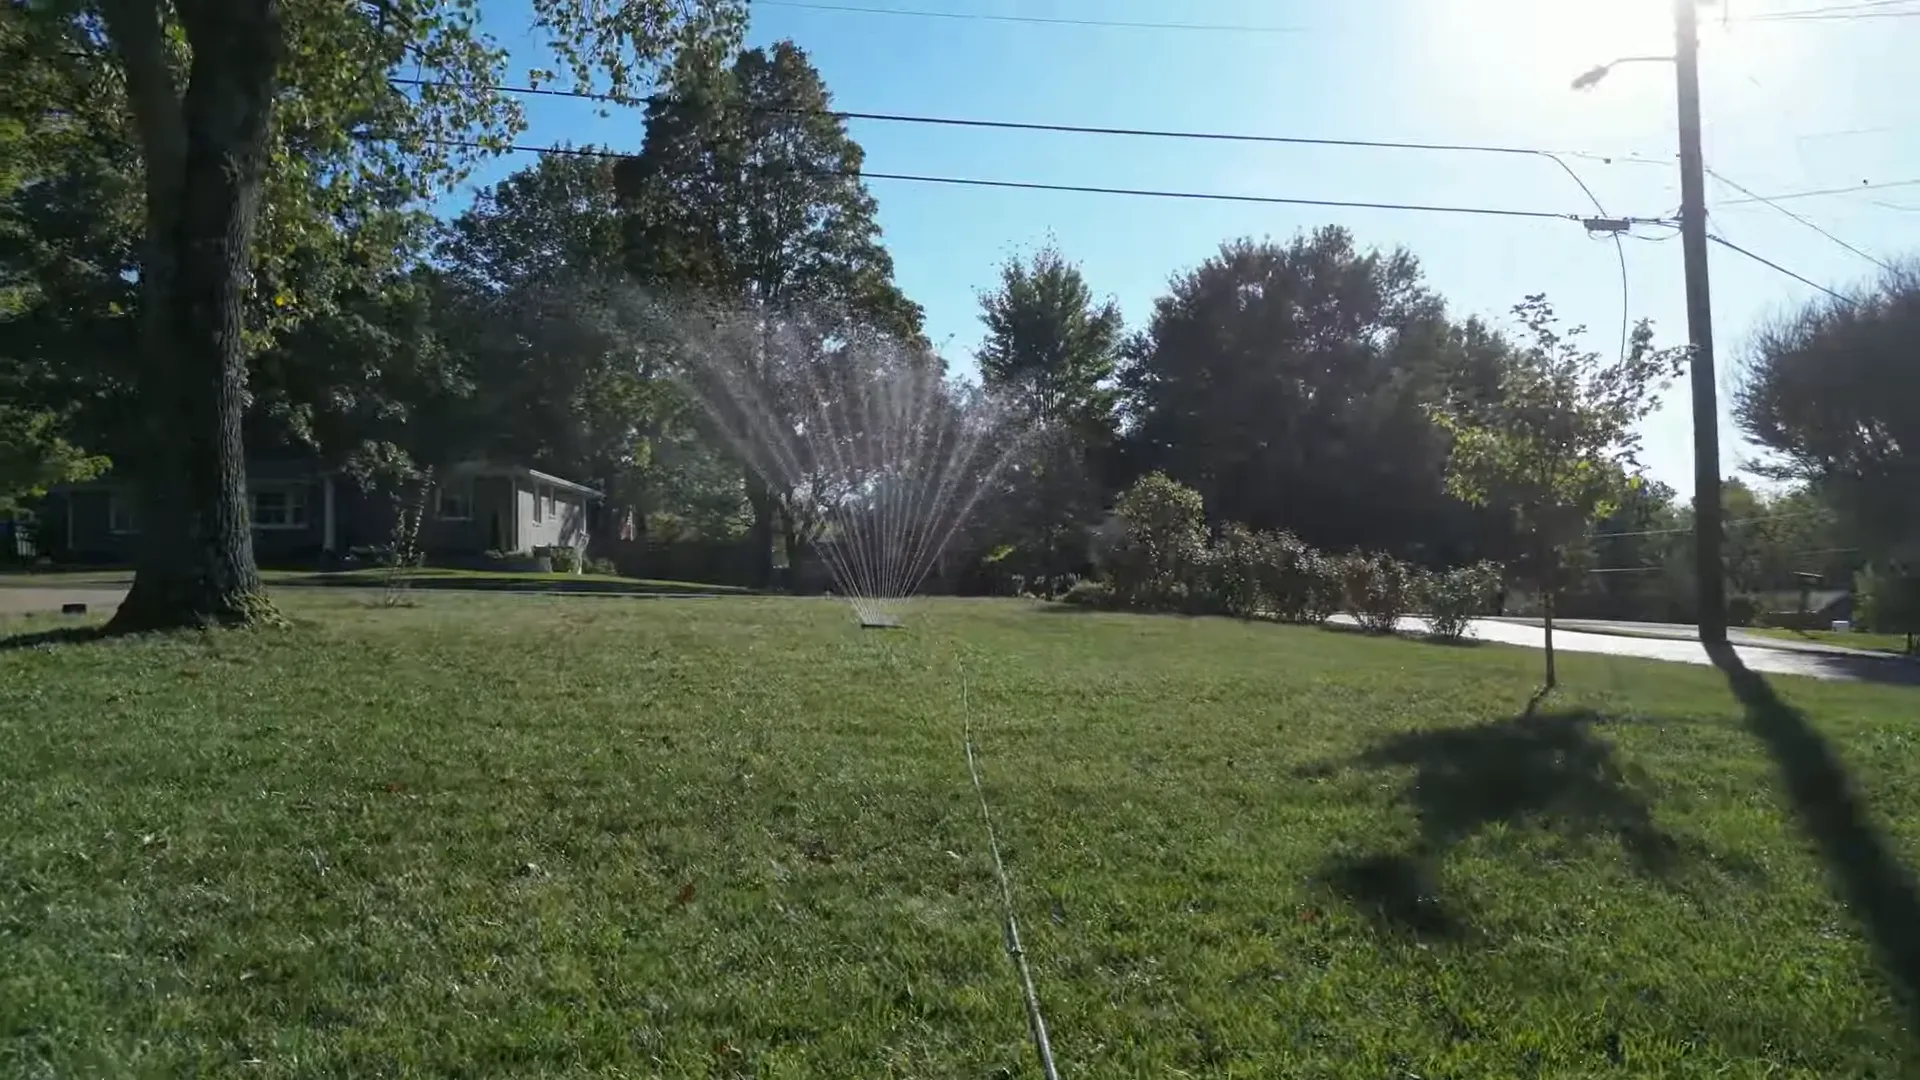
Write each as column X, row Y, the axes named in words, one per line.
column 205, row 157
column 796, row 548
column 760, row 537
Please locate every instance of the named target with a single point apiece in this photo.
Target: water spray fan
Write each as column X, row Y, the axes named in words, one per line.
column 872, row 454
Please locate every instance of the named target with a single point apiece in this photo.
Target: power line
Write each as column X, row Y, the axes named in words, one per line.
column 1831, row 9
column 982, row 16
column 1159, row 133
column 1555, row 156
column 1775, row 205
column 1826, row 17
column 1024, row 185
column 1764, row 261
column 1823, row 191
column 1081, row 129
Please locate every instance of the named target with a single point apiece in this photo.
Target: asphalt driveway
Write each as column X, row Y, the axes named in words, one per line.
column 36, row 599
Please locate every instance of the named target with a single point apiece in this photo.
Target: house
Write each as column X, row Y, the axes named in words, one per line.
column 1816, row 608
column 302, row 513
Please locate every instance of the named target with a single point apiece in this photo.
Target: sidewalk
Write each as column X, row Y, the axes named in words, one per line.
column 1686, row 632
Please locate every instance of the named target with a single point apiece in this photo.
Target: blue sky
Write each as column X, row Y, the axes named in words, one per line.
column 1789, row 105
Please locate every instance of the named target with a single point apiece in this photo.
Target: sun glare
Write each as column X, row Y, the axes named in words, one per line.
column 1546, row 43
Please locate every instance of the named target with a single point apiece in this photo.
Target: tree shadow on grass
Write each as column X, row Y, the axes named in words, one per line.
column 1544, row 769
column 1880, row 890
column 62, row 635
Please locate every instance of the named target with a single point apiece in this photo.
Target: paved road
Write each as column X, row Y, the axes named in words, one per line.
column 1688, row 632
column 1822, row 664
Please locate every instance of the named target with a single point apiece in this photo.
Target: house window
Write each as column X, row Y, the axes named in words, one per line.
column 123, row 516
column 280, row 507
column 550, row 503
column 456, row 503
column 537, row 496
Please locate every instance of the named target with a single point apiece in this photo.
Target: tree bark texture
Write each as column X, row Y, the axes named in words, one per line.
column 761, row 535
column 795, row 545
column 205, row 155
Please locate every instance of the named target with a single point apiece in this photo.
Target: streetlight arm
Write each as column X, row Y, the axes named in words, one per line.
column 1592, row 78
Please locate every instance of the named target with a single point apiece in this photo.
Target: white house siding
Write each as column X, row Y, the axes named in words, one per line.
column 566, row 526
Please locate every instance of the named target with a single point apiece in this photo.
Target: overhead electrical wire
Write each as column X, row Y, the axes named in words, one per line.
column 1774, row 203
column 1831, row 16
column 984, row 16
column 1836, row 18
column 961, row 181
column 1830, row 9
column 1823, row 191
column 1162, row 133
column 1082, row 129
column 1764, row 261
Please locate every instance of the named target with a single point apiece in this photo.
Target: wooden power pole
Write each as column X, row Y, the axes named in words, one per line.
column 1708, row 567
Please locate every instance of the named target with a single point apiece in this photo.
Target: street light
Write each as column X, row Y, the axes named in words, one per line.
column 1592, row 78
column 1693, row 239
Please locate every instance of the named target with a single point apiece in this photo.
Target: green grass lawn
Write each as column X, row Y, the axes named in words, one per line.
column 527, row 836
column 1893, row 643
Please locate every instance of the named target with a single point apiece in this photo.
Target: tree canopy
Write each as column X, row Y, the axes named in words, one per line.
column 1050, row 355
column 1286, row 384
column 280, row 167
column 747, row 191
column 1832, row 393
column 1556, row 441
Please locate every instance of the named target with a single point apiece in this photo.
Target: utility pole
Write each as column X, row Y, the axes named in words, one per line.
column 1708, row 568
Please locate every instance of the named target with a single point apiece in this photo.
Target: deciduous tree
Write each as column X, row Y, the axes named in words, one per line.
column 233, row 104
column 1050, row 353
column 1834, row 394
column 746, row 197
column 34, row 456
column 1556, row 442
column 1286, row 383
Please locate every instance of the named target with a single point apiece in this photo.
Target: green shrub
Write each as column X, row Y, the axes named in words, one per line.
column 1306, row 583
column 1270, row 574
column 1792, row 620
column 1380, row 589
column 563, row 558
column 1162, row 544
column 1742, row 610
column 1455, row 596
column 603, row 567
column 373, row 555
column 1237, row 573
column 1887, row 600
column 1089, row 593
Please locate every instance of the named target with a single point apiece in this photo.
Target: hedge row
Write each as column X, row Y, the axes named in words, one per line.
column 1161, row 560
